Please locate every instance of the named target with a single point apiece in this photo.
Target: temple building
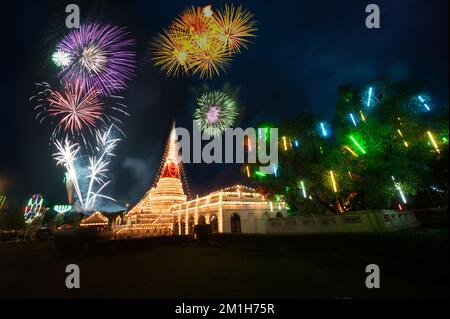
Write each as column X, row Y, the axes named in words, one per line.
column 237, row 209
column 152, row 216
column 164, row 209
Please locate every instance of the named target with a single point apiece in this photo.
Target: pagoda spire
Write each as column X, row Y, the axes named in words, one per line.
column 172, row 161
column 172, row 154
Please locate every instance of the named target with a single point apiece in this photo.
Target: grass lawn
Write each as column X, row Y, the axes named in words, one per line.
column 413, row 264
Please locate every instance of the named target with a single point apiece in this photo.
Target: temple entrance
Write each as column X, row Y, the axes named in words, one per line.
column 201, row 220
column 214, row 221
column 183, row 228
column 235, row 223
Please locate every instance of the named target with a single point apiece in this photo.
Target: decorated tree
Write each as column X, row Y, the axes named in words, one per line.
column 386, row 147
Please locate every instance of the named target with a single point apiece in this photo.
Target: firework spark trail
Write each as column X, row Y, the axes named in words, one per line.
column 66, row 156
column 97, row 169
column 98, row 166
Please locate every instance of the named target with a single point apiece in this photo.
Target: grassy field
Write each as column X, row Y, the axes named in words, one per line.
column 413, row 264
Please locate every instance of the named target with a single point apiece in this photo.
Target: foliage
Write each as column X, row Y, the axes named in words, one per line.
column 392, row 142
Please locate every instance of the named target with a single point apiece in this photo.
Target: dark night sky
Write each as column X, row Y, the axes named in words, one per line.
column 304, row 51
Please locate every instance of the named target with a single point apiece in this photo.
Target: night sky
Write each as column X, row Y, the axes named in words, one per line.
column 303, row 52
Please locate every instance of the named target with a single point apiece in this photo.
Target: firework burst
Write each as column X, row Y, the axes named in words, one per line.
column 76, row 111
column 201, row 41
column 235, row 26
column 216, row 112
column 97, row 56
column 75, row 108
column 174, row 53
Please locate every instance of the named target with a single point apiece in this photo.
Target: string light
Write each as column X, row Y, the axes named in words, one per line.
column 152, row 213
column 357, row 144
column 62, row 209
column 401, row 135
column 324, row 131
column 363, row 118
column 433, row 141
column 248, row 171
column 398, row 187
column 351, row 151
column 353, row 119
column 303, row 189
column 424, row 103
column 96, row 219
column 333, row 181
column 370, row 96
column 285, row 143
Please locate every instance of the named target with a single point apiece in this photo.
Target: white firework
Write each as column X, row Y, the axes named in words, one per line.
column 97, row 176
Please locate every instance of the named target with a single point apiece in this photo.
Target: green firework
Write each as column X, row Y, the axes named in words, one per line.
column 216, row 112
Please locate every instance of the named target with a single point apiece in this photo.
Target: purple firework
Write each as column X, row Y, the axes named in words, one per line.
column 97, row 55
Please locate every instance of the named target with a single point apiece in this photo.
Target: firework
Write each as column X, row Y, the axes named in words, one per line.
column 61, row 59
column 76, row 111
column 96, row 178
column 174, row 53
column 75, row 108
column 201, row 41
column 196, row 20
column 98, row 56
column 216, row 112
column 210, row 61
column 235, row 26
column 69, row 188
column 66, row 156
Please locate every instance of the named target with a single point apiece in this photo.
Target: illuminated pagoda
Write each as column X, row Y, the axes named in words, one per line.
column 152, row 215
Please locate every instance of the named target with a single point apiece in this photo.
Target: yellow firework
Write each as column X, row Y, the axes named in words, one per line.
column 194, row 20
column 210, row 61
column 173, row 52
column 202, row 41
column 234, row 26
